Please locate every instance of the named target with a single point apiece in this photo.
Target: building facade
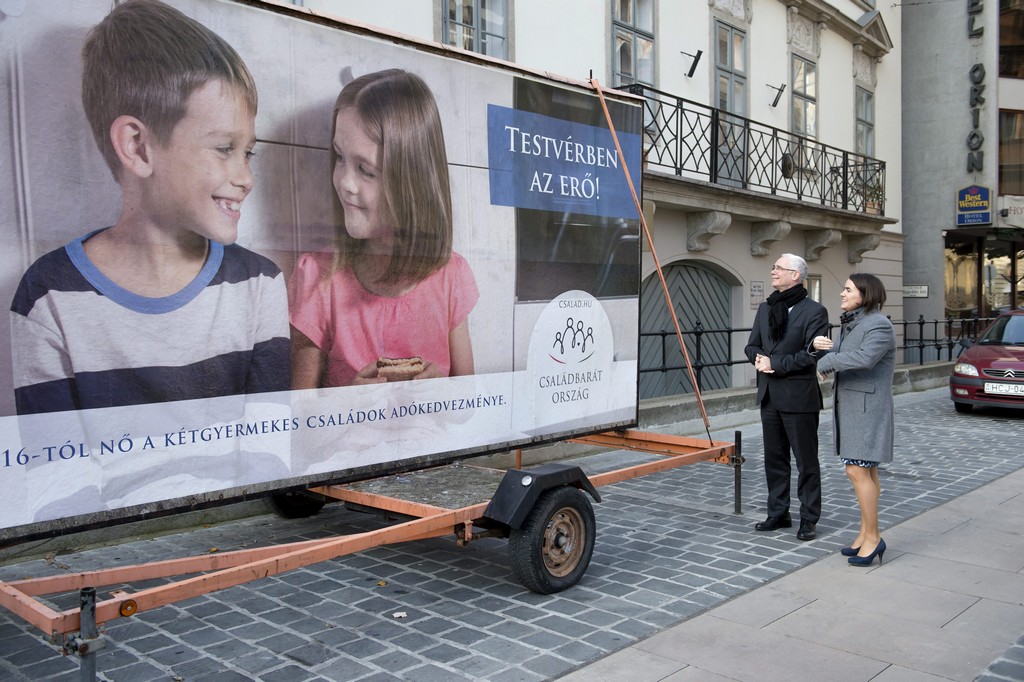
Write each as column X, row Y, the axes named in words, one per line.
column 963, row 121
column 771, row 127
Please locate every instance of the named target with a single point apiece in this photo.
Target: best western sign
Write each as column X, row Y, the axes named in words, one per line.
column 974, row 206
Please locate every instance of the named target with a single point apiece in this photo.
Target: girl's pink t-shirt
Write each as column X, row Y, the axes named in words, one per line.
column 354, row 327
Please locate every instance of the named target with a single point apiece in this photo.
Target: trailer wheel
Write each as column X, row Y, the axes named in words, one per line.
column 296, row 505
column 552, row 549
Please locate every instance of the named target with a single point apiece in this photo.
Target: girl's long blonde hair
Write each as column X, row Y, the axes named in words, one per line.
column 398, row 112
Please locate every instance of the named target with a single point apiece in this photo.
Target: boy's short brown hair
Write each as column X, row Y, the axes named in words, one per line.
column 145, row 59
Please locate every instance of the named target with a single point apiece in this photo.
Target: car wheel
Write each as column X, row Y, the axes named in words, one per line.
column 963, row 408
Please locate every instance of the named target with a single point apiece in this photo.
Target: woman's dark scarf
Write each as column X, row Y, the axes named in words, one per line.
column 779, row 304
column 852, row 316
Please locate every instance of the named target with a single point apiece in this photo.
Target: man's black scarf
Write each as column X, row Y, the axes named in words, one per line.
column 779, row 304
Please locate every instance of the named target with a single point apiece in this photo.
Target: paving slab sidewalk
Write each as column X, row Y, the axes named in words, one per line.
column 947, row 604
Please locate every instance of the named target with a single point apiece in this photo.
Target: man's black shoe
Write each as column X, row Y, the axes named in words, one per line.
column 806, row 531
column 775, row 522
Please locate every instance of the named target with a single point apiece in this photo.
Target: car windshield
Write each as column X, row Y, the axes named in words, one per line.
column 1007, row 330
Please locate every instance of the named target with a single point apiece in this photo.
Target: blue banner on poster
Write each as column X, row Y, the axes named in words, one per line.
column 550, row 164
column 974, row 206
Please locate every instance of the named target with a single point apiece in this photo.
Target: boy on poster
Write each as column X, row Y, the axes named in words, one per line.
column 163, row 305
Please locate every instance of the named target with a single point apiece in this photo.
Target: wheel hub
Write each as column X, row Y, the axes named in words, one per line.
column 562, row 551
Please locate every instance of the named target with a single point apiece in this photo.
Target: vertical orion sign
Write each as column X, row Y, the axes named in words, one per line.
column 976, row 98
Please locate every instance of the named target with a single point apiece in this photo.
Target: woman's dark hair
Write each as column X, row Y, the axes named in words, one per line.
column 872, row 291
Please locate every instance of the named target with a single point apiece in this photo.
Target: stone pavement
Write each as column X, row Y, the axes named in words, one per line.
column 679, row 588
column 948, row 600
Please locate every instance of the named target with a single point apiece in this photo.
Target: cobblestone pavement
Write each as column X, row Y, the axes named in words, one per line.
column 668, row 547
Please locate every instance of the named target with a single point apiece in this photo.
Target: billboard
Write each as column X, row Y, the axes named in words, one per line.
column 408, row 255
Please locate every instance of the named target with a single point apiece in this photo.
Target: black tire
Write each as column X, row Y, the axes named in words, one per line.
column 296, row 505
column 963, row 408
column 552, row 549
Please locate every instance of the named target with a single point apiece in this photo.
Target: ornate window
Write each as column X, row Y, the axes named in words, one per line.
column 813, row 284
column 730, row 69
column 1011, row 39
column 477, row 25
column 1011, row 152
column 865, row 114
column 805, row 97
column 632, row 42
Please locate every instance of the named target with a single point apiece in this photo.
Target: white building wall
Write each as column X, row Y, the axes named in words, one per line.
column 569, row 39
column 573, row 39
column 889, row 127
column 835, row 91
column 769, row 57
column 1011, row 93
column 683, row 27
column 412, row 17
column 769, row 64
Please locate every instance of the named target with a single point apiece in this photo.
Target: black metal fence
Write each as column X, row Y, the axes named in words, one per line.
column 921, row 341
column 683, row 137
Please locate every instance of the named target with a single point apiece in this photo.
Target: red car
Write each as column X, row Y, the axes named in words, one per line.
column 990, row 371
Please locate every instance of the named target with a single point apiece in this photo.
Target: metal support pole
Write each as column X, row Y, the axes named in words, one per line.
column 87, row 633
column 737, row 479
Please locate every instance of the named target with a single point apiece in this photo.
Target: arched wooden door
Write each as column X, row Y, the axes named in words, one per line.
column 698, row 293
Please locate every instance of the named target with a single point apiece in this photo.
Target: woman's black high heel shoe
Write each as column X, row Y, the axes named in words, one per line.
column 869, row 559
column 849, row 551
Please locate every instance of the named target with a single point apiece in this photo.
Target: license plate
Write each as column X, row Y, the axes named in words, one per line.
column 1004, row 389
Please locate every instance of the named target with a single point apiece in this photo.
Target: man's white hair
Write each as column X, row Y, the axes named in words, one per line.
column 797, row 263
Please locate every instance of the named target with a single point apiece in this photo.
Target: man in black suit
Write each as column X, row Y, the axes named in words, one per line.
column 788, row 393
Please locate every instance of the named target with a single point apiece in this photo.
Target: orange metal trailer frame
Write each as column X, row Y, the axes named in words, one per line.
column 211, row 572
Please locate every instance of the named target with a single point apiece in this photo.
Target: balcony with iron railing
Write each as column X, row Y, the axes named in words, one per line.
column 693, row 140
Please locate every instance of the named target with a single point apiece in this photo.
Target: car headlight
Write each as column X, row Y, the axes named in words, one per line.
column 966, row 369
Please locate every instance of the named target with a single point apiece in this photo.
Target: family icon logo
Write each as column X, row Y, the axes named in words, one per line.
column 570, row 371
column 574, row 343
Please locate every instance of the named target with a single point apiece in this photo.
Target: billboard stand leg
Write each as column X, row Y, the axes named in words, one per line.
column 737, row 467
column 89, row 640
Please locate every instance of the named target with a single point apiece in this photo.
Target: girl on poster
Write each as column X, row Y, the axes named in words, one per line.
column 393, row 288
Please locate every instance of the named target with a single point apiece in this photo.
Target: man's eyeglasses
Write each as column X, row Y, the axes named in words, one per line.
column 776, row 268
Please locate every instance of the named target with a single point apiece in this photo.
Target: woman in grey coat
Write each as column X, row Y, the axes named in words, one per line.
column 863, row 360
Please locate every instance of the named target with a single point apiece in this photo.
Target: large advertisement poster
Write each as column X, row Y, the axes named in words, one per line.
column 246, row 251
